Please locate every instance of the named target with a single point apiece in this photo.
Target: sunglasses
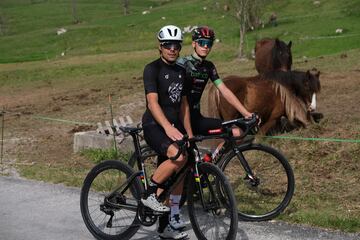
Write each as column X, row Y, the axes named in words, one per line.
column 203, row 42
column 171, row 45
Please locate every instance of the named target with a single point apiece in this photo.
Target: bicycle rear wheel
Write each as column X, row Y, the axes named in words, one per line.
column 269, row 192
column 210, row 216
column 113, row 217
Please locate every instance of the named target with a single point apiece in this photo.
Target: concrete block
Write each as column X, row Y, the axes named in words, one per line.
column 92, row 139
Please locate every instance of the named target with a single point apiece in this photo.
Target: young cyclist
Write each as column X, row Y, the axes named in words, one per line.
column 166, row 119
column 199, row 71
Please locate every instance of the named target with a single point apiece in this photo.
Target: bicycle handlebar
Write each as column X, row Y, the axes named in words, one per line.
column 246, row 124
column 182, row 146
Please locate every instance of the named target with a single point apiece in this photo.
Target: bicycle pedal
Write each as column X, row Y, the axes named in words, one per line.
column 159, row 213
column 221, row 211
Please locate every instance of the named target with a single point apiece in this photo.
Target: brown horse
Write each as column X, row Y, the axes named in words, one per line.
column 271, row 95
column 272, row 55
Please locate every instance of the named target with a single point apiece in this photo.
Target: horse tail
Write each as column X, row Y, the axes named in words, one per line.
column 295, row 109
column 213, row 102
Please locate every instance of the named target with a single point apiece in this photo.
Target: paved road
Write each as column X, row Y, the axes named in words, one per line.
column 31, row 210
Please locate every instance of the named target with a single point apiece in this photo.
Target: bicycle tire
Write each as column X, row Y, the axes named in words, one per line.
column 213, row 220
column 101, row 180
column 266, row 197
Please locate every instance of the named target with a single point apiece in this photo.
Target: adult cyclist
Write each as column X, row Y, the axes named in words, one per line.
column 166, row 119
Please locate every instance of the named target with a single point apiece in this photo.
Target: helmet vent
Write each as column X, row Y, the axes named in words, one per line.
column 161, row 34
column 170, row 32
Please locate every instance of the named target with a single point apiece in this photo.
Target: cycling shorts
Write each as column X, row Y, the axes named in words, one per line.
column 157, row 139
column 201, row 125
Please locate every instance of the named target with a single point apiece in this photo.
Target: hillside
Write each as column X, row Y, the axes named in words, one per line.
column 28, row 28
column 105, row 54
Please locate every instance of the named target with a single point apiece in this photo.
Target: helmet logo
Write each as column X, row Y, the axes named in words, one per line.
column 205, row 32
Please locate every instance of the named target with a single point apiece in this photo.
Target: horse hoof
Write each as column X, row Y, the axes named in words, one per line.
column 317, row 116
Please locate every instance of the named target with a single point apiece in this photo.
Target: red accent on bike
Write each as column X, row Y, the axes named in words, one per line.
column 207, row 158
column 215, row 131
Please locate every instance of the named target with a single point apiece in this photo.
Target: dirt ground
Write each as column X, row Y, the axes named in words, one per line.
column 34, row 130
column 40, row 122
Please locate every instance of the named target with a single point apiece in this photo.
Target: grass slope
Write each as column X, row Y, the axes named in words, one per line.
column 28, row 28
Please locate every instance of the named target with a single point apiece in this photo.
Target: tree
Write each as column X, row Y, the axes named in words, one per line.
column 1, row 26
column 126, row 7
column 74, row 11
column 247, row 13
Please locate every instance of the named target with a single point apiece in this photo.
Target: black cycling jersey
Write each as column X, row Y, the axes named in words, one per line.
column 198, row 72
column 168, row 82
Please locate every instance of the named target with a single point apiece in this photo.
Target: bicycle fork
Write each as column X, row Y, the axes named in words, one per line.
column 253, row 180
column 200, row 185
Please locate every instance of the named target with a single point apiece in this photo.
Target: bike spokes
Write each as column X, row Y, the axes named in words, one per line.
column 264, row 186
column 107, row 209
column 211, row 210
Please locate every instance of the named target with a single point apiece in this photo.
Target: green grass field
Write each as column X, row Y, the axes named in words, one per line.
column 106, row 52
column 28, row 30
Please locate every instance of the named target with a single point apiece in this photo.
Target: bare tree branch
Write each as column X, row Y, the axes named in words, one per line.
column 74, row 11
column 1, row 26
column 247, row 13
column 126, row 7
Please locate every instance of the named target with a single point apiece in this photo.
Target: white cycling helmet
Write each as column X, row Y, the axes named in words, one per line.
column 170, row 33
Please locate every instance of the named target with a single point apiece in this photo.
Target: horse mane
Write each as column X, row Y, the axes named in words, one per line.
column 295, row 109
column 291, row 79
column 284, row 78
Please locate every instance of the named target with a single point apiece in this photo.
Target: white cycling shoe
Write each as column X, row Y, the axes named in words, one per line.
column 176, row 222
column 152, row 202
column 170, row 233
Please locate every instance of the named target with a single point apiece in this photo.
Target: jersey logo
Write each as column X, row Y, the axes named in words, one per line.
column 214, row 72
column 174, row 91
column 166, row 76
column 196, row 80
column 199, row 75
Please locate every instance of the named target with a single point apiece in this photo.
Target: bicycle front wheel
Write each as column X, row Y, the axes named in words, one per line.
column 211, row 217
column 268, row 191
column 109, row 210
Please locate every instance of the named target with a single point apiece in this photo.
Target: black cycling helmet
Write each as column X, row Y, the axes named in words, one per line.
column 203, row 32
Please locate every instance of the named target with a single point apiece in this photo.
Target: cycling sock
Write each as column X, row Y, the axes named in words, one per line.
column 153, row 186
column 174, row 207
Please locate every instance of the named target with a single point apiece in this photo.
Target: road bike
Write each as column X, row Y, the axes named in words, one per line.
column 261, row 177
column 110, row 196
